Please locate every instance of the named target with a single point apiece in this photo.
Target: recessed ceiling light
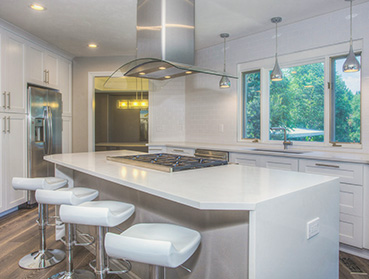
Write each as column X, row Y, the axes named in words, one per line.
column 162, row 68
column 167, row 76
column 142, row 73
column 188, row 72
column 37, row 7
column 92, row 45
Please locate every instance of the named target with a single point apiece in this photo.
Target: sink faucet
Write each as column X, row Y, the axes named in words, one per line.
column 285, row 141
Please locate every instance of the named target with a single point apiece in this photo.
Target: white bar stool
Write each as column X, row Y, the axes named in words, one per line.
column 42, row 258
column 71, row 196
column 159, row 245
column 102, row 214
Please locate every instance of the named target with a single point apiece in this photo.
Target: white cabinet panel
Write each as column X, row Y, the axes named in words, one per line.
column 13, row 83
column 351, row 230
column 351, row 199
column 245, row 159
column 181, row 151
column 347, row 172
column 67, row 135
column 279, row 163
column 13, row 157
column 65, row 78
column 157, row 149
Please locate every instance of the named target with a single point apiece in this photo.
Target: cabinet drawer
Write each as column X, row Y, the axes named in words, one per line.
column 347, row 172
column 351, row 230
column 245, row 159
column 279, row 163
column 157, row 149
column 351, row 199
column 181, row 151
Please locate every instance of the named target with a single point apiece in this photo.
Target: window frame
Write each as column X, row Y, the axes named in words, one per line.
column 316, row 55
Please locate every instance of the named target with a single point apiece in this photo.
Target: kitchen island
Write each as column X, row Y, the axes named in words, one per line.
column 253, row 221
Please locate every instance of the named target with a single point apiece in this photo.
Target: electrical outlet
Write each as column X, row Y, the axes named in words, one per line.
column 312, row 228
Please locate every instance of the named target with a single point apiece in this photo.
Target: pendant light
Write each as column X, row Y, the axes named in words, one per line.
column 351, row 64
column 276, row 74
column 224, row 81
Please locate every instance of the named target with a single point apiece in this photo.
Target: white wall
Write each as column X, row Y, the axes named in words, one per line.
column 211, row 113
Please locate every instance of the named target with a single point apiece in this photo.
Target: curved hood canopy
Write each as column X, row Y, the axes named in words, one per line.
column 165, row 41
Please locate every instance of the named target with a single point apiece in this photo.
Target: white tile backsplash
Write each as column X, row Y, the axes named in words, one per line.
column 193, row 108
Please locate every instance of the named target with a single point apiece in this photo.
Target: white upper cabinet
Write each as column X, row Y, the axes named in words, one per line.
column 41, row 67
column 65, row 86
column 13, row 89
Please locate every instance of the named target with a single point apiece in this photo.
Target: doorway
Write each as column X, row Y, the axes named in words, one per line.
column 121, row 114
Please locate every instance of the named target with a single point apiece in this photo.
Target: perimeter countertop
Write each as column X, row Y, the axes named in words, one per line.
column 229, row 187
column 342, row 155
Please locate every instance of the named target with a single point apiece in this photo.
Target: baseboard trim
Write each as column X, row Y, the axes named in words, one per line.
column 362, row 253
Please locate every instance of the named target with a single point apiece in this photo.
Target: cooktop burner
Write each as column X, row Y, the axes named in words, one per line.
column 167, row 162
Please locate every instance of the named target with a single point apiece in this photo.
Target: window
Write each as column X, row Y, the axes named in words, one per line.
column 251, row 105
column 315, row 102
column 345, row 103
column 297, row 103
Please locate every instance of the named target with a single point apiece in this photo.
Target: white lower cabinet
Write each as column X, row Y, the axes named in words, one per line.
column 13, row 158
column 270, row 162
column 181, row 151
column 157, row 149
column 351, row 195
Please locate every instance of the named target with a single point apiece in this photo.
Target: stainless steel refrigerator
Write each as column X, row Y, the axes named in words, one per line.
column 44, row 130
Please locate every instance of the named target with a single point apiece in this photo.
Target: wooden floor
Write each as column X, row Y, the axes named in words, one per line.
column 19, row 236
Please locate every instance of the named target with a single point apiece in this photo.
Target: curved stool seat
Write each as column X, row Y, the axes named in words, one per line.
column 69, row 196
column 163, row 245
column 101, row 214
column 42, row 258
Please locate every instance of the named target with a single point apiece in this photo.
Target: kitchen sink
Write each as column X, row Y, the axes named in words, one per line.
column 279, row 151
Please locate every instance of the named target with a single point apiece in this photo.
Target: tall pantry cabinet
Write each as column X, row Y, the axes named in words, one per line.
column 24, row 61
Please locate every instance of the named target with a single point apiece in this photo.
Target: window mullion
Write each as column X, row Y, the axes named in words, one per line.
column 264, row 104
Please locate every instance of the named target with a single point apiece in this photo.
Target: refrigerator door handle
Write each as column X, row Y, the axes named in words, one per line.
column 46, row 130
column 50, row 130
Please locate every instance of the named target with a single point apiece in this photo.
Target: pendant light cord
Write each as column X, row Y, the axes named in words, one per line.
column 351, row 23
column 276, row 39
column 224, row 54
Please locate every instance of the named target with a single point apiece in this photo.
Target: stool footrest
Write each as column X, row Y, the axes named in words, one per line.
column 87, row 235
column 123, row 271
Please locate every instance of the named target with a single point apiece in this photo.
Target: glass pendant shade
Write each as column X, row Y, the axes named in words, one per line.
column 351, row 64
column 224, row 82
column 276, row 74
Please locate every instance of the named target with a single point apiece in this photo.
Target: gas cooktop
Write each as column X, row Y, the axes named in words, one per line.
column 167, row 162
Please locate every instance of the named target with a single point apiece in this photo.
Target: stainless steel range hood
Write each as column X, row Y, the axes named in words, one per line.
column 165, row 41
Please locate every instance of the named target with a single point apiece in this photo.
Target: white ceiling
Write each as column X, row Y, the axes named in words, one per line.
column 72, row 24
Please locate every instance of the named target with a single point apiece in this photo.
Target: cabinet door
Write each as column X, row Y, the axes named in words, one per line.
column 67, row 135
column 279, row 163
column 51, row 68
column 351, row 230
column 2, row 156
column 34, row 65
column 65, row 77
column 13, row 83
column 13, row 157
column 245, row 159
column 157, row 149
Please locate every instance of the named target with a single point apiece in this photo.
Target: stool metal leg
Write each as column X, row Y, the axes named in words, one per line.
column 101, row 259
column 156, row 272
column 70, row 273
column 44, row 257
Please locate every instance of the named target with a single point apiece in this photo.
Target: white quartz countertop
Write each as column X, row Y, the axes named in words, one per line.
column 338, row 154
column 229, row 187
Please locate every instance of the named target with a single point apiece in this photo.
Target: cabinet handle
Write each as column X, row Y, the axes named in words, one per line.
column 4, row 125
column 328, row 166
column 45, row 76
column 4, row 104
column 48, row 76
column 178, row 150
column 8, row 130
column 8, row 100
